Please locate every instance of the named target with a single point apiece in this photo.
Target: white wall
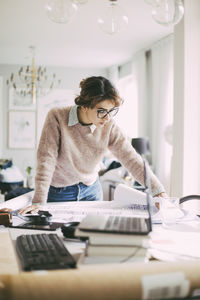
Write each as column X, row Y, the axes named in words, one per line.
column 1, row 115
column 70, row 80
column 186, row 156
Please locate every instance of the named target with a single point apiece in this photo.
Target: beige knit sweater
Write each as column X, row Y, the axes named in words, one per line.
column 68, row 155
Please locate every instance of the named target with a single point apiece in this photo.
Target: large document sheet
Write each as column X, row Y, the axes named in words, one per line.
column 18, row 202
column 127, row 202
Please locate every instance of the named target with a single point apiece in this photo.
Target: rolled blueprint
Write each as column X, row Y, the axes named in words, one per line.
column 129, row 195
column 18, row 202
column 113, row 281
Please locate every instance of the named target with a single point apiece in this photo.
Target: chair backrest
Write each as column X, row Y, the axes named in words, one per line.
column 141, row 145
column 189, row 197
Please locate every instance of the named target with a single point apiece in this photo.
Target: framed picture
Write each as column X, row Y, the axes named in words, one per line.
column 18, row 102
column 21, row 130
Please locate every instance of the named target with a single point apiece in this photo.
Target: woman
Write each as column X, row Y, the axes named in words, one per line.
column 73, row 143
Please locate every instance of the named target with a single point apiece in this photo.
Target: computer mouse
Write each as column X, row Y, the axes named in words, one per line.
column 42, row 218
column 68, row 230
column 38, row 219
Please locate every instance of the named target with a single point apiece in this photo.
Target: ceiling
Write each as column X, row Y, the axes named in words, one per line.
column 79, row 43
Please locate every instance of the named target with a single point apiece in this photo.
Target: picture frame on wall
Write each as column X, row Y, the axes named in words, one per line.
column 18, row 102
column 22, row 134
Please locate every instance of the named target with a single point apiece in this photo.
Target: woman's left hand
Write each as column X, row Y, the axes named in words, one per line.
column 162, row 195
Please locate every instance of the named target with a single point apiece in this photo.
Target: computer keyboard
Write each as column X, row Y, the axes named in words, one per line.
column 43, row 252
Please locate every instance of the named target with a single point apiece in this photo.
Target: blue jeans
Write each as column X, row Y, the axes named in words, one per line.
column 76, row 192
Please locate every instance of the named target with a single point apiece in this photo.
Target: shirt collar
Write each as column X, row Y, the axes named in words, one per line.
column 73, row 118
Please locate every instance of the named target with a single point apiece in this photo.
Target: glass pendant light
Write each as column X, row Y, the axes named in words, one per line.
column 114, row 19
column 151, row 2
column 60, row 11
column 168, row 12
column 80, row 1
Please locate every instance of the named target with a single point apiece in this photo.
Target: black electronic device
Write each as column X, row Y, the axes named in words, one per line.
column 68, row 230
column 40, row 221
column 41, row 218
column 27, row 225
column 43, row 252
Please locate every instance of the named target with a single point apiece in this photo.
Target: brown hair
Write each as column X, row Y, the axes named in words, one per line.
column 96, row 89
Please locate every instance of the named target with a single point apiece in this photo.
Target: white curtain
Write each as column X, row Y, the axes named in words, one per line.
column 132, row 87
column 1, row 116
column 127, row 118
column 161, row 72
column 139, row 70
column 147, row 87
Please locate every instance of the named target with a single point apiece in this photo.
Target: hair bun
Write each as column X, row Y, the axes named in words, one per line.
column 83, row 81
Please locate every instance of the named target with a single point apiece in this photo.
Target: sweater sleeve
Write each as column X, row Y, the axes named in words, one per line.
column 132, row 161
column 46, row 157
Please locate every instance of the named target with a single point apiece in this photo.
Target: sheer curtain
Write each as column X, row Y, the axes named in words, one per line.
column 132, row 87
column 147, row 87
column 161, row 100
column 1, row 115
column 139, row 73
column 127, row 118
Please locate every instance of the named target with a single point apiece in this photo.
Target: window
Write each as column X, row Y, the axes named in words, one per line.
column 127, row 118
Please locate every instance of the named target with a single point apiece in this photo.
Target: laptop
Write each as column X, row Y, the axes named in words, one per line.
column 121, row 224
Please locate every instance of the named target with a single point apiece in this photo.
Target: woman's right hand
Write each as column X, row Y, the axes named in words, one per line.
column 33, row 209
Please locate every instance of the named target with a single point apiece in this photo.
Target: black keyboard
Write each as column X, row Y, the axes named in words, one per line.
column 43, row 252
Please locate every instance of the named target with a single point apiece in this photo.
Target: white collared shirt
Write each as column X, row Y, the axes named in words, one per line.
column 73, row 119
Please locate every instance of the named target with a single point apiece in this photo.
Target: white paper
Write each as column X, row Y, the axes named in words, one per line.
column 127, row 202
column 18, row 202
column 174, row 245
column 128, row 195
column 76, row 211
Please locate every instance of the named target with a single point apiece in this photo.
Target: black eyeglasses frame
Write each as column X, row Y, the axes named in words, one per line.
column 112, row 112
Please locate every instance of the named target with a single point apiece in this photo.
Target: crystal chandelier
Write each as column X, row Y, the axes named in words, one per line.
column 113, row 19
column 33, row 81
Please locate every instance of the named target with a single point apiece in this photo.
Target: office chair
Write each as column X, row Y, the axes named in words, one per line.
column 141, row 145
column 189, row 197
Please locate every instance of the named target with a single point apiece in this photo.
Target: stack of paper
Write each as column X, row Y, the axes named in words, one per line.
column 178, row 242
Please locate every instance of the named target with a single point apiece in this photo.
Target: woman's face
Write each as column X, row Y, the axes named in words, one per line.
column 101, row 113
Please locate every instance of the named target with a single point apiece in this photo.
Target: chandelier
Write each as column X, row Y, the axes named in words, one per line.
column 62, row 11
column 33, row 81
column 113, row 18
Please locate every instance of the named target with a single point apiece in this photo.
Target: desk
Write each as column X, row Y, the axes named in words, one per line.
column 110, row 281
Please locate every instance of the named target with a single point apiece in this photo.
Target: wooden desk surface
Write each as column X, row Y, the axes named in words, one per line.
column 8, row 259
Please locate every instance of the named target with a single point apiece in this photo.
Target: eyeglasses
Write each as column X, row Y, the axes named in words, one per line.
column 102, row 113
